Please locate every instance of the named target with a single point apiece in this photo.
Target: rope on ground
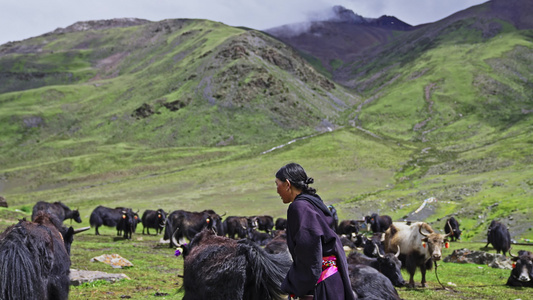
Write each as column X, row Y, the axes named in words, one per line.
column 437, row 275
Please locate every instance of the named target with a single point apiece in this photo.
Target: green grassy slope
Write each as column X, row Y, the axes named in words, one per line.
column 132, row 93
column 464, row 100
column 239, row 180
column 176, row 82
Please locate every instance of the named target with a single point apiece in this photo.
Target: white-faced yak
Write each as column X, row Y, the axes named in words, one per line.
column 419, row 246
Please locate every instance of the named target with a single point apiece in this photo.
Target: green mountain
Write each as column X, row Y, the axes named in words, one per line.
column 193, row 113
column 195, row 82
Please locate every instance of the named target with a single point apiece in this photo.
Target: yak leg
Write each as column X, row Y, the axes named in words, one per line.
column 423, row 268
column 411, row 268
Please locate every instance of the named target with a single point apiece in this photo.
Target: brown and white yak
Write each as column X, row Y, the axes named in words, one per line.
column 419, row 246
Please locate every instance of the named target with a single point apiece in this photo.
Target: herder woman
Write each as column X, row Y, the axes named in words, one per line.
column 319, row 265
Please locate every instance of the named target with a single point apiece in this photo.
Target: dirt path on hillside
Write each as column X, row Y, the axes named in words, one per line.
column 428, row 90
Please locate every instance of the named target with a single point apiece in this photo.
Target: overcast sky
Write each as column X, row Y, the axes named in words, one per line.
column 22, row 19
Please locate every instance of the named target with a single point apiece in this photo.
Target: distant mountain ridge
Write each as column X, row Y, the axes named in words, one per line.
column 344, row 15
column 343, row 36
column 347, row 38
column 101, row 24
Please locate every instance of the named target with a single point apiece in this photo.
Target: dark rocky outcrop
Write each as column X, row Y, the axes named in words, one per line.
column 466, row 256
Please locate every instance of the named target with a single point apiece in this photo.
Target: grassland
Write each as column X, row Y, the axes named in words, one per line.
column 156, row 270
column 239, row 181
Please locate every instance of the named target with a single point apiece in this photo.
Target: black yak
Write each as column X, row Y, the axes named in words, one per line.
column 35, row 259
column 498, row 235
column 452, row 227
column 183, row 224
column 106, row 216
column 58, row 209
column 154, row 219
column 378, row 223
column 348, row 227
column 127, row 223
column 370, row 284
column 264, row 223
column 373, row 246
column 388, row 265
column 281, row 224
column 236, row 225
column 278, row 243
column 522, row 273
column 217, row 267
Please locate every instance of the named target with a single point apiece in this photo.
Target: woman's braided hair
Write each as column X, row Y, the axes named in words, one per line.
column 297, row 177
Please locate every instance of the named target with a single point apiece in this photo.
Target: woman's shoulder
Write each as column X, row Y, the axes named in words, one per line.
column 301, row 204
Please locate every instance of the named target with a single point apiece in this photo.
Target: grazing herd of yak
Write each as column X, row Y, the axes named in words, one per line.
column 238, row 258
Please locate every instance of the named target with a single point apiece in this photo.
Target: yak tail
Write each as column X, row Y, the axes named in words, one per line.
column 95, row 220
column 21, row 272
column 265, row 271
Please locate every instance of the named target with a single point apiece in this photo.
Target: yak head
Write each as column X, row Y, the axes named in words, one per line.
column 76, row 216
column 390, row 265
column 434, row 242
column 522, row 266
column 161, row 217
column 253, row 222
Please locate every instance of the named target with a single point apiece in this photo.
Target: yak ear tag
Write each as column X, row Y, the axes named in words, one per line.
column 447, row 245
column 123, row 216
column 514, row 265
column 424, row 244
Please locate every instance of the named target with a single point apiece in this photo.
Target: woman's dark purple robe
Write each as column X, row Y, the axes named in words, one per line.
column 310, row 237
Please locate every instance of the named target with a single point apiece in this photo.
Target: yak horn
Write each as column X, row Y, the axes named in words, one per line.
column 398, row 253
column 175, row 242
column 451, row 230
column 512, row 254
column 379, row 252
column 81, row 229
column 420, row 230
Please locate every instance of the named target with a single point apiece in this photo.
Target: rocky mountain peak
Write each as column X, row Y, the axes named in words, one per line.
column 101, row 24
column 342, row 14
